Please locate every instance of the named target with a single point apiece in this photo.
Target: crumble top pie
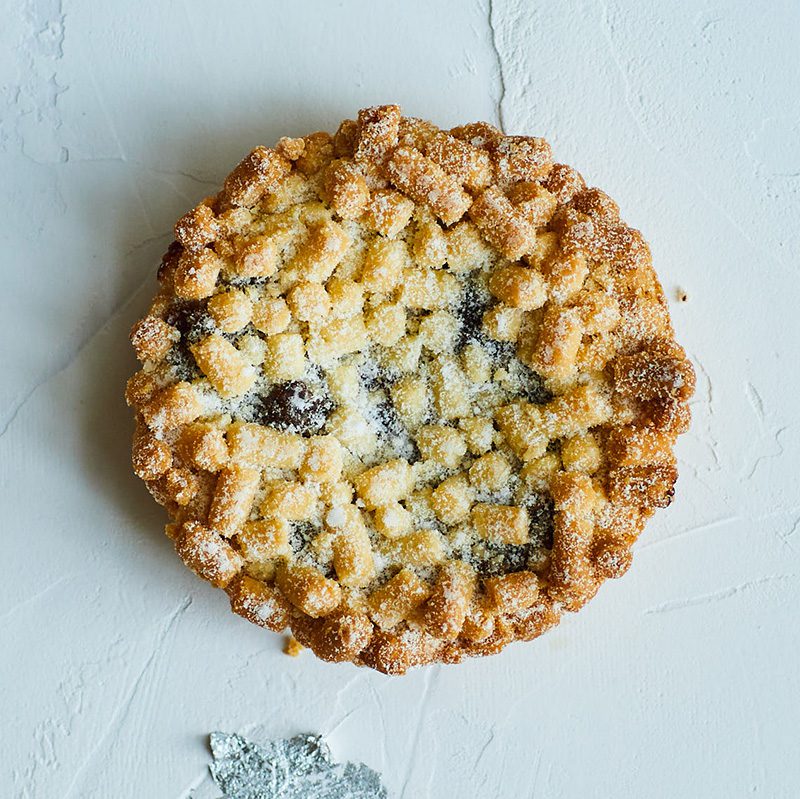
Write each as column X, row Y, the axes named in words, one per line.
column 411, row 393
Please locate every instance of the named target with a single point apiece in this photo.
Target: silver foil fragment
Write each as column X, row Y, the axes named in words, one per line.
column 291, row 768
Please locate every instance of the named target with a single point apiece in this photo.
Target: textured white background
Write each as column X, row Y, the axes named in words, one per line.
column 115, row 117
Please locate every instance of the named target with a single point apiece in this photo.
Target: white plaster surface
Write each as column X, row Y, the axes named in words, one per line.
column 679, row 680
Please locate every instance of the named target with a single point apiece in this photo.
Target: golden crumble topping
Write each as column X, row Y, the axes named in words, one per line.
column 410, row 393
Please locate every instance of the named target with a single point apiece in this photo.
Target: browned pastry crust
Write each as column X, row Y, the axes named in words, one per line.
column 410, row 393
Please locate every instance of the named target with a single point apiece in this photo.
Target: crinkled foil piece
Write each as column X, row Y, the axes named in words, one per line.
column 291, row 768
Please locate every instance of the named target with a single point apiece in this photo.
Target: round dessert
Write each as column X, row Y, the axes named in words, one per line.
column 410, row 393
